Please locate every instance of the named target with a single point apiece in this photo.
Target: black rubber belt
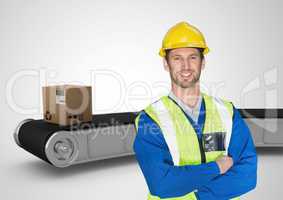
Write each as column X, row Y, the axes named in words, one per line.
column 34, row 134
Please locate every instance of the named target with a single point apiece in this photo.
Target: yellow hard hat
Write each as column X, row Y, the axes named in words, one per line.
column 183, row 35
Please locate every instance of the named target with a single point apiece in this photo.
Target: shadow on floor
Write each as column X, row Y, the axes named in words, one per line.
column 43, row 168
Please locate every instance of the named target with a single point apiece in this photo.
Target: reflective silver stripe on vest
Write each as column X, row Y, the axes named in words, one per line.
column 226, row 120
column 167, row 127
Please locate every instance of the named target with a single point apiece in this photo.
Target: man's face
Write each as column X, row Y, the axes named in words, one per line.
column 184, row 66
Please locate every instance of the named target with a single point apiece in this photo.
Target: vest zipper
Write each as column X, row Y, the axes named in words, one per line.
column 203, row 157
column 202, row 153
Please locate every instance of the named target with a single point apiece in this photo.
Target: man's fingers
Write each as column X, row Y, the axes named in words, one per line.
column 224, row 163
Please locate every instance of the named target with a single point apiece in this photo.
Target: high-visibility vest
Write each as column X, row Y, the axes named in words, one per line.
column 181, row 138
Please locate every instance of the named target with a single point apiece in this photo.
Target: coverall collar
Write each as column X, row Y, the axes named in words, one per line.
column 192, row 112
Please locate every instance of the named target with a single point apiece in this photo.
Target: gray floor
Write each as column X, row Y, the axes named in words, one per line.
column 26, row 177
column 270, row 174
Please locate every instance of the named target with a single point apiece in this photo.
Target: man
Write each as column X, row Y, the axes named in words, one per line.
column 190, row 145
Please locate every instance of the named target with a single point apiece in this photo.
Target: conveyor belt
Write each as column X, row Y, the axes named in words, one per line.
column 35, row 136
column 112, row 135
column 261, row 113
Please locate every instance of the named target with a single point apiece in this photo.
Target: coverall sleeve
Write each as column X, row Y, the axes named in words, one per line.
column 163, row 178
column 242, row 177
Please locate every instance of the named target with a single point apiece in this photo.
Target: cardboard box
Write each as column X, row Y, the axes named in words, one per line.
column 67, row 104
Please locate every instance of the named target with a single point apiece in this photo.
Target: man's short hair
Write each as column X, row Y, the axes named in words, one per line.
column 199, row 49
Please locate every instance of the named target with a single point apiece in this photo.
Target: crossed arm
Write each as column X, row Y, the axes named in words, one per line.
column 166, row 180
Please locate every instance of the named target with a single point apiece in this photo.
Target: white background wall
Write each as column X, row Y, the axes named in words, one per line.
column 113, row 46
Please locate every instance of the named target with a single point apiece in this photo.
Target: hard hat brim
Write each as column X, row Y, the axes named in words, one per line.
column 162, row 52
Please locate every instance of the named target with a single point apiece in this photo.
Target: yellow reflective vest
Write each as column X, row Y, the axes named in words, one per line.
column 181, row 137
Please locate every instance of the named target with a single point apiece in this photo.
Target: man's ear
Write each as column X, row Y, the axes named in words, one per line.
column 165, row 64
column 203, row 63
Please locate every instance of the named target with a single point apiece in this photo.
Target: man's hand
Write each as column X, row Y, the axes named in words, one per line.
column 224, row 163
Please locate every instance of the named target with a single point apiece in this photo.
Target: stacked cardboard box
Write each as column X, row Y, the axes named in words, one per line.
column 67, row 104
